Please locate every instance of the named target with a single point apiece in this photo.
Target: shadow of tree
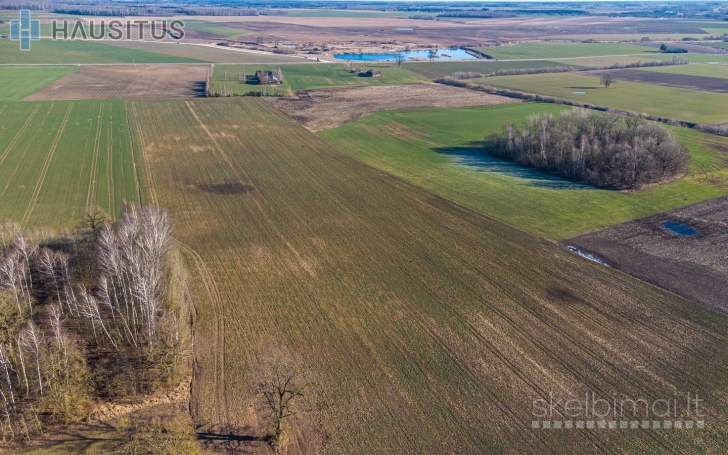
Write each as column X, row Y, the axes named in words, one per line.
column 475, row 158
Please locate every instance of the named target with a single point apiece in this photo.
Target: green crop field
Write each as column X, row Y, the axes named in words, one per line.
column 20, row 81
column 668, row 102
column 217, row 54
column 435, row 70
column 613, row 60
column 430, row 327
column 214, row 28
column 719, row 71
column 312, row 76
column 57, row 159
column 439, row 150
column 68, row 52
column 546, row 49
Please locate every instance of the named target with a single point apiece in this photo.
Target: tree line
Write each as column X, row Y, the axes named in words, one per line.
column 86, row 316
column 605, row 150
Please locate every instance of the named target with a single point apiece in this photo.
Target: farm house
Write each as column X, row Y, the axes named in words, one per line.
column 264, row 77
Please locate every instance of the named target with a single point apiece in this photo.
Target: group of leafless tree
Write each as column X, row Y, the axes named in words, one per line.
column 85, row 315
column 606, row 150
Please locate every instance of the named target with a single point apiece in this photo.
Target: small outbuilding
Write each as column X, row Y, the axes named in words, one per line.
column 371, row 73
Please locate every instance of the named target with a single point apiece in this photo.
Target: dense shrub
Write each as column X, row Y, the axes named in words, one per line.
column 606, row 150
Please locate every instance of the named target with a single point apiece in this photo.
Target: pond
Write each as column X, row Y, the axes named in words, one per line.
column 680, row 229
column 579, row 93
column 424, row 54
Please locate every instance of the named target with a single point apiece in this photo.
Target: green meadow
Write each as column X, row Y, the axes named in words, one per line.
column 439, row 150
column 20, row 81
column 719, row 71
column 214, row 28
column 436, row 70
column 668, row 102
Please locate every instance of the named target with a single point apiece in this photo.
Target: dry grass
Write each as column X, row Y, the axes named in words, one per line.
column 329, row 108
column 131, row 82
column 432, row 327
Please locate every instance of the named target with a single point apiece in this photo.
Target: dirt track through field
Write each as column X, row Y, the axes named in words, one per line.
column 130, row 82
column 329, row 108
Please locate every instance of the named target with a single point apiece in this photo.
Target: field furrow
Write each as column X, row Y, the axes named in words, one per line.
column 432, row 328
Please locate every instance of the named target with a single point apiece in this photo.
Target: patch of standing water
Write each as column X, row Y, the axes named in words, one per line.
column 591, row 257
column 404, row 28
column 680, row 229
column 579, row 93
column 421, row 54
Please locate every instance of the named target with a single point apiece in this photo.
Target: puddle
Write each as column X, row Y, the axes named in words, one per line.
column 713, row 63
column 680, row 229
column 591, row 257
column 404, row 28
column 579, row 93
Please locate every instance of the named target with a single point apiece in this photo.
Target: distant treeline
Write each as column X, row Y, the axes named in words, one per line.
column 605, row 150
column 120, row 11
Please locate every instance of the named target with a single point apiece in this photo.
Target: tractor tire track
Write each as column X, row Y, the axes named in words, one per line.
column 93, row 172
column 19, row 134
column 110, row 166
column 44, row 170
column 129, row 123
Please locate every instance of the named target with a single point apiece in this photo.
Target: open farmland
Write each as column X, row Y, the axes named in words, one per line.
column 57, row 159
column 435, row 70
column 215, row 29
column 667, row 102
column 70, row 52
column 431, row 327
column 311, row 76
column 692, row 266
column 442, row 150
column 127, row 82
column 20, row 81
column 207, row 53
column 548, row 49
column 329, row 108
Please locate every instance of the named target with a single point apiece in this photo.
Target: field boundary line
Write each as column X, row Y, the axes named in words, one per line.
column 208, row 280
column 18, row 134
column 46, row 165
column 3, row 108
column 95, row 159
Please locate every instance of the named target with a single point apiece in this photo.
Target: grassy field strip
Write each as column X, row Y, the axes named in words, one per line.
column 21, row 81
column 720, row 71
column 553, row 50
column 44, row 170
column 94, row 162
column 431, row 326
column 439, row 150
column 667, row 102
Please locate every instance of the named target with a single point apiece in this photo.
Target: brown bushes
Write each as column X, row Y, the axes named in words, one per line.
column 86, row 315
column 605, row 150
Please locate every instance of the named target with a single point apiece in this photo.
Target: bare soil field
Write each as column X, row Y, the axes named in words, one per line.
column 328, row 108
column 445, row 32
column 711, row 84
column 131, row 82
column 695, row 267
